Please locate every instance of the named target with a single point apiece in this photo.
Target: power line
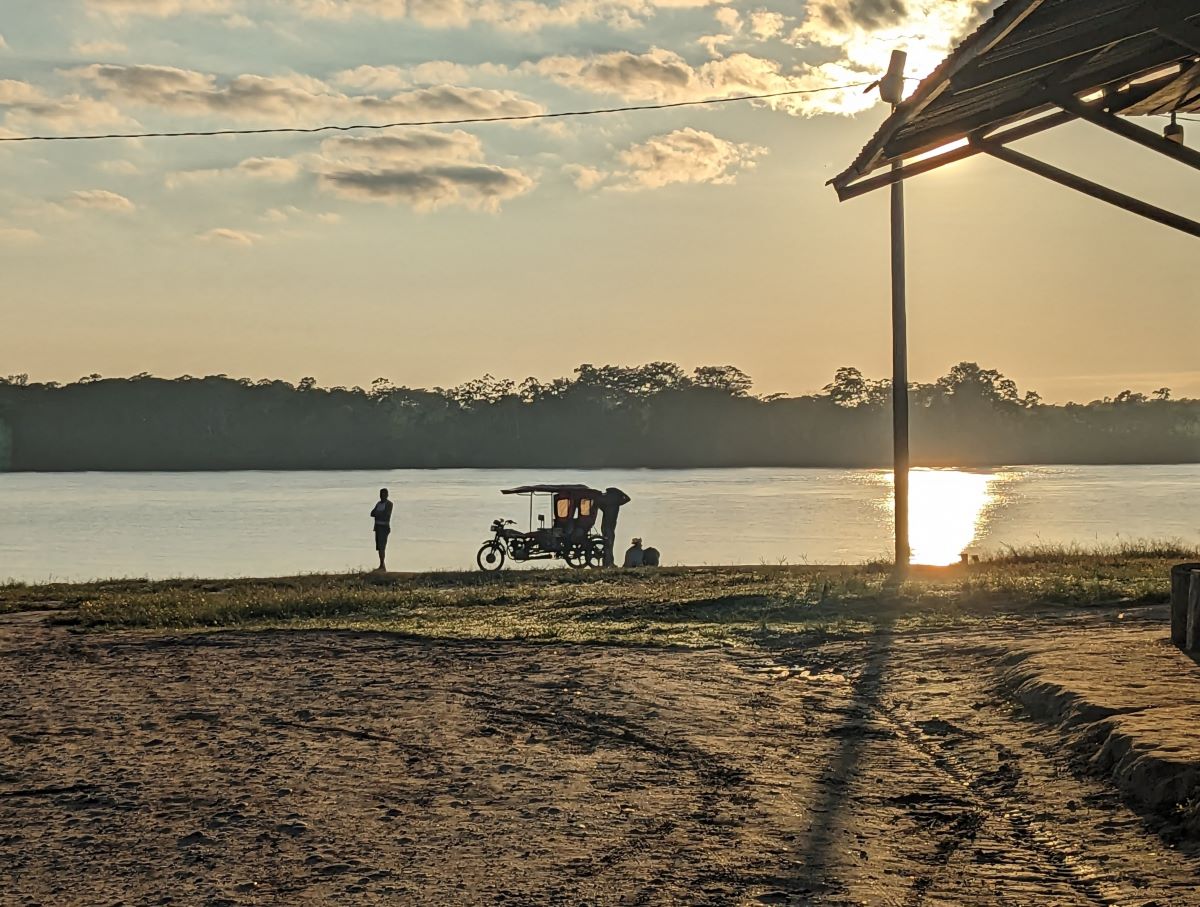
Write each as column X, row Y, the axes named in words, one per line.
column 463, row 121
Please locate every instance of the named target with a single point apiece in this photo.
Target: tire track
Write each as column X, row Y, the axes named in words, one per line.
column 1058, row 859
column 987, row 797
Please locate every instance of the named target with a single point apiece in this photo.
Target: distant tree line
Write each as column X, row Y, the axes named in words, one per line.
column 654, row 415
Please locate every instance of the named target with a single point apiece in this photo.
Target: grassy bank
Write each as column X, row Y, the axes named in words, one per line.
column 699, row 606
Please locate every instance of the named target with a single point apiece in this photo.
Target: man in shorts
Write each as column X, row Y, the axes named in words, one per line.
column 382, row 512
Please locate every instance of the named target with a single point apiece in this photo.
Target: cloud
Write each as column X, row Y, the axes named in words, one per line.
column 290, row 213
column 765, row 24
column 18, row 236
column 845, row 15
column 684, row 156
column 864, row 32
column 425, row 169
column 857, row 37
column 159, row 9
column 27, row 108
column 271, row 169
column 275, row 169
column 585, row 177
column 858, row 34
column 661, row 75
column 375, row 78
column 101, row 200
column 508, row 15
column 232, row 237
column 98, row 48
column 714, row 44
column 729, row 19
column 407, row 147
column 394, row 78
column 737, row 29
column 119, row 167
column 482, row 186
column 290, row 98
column 18, row 94
column 652, row 76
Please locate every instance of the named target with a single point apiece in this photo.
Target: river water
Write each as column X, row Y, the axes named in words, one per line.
column 78, row 526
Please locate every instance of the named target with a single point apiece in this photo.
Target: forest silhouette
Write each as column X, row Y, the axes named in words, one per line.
column 654, row 415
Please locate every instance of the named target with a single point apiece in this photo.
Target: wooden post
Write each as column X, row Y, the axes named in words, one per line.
column 1181, row 576
column 899, row 380
column 1192, row 640
column 891, row 89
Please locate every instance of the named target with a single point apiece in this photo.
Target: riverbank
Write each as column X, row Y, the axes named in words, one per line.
column 675, row 606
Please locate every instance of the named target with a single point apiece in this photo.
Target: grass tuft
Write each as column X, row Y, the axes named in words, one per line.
column 1119, row 552
column 676, row 606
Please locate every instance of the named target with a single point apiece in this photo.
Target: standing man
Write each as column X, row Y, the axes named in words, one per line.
column 382, row 512
column 611, row 503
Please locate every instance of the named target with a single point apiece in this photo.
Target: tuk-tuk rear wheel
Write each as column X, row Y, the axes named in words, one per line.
column 596, row 552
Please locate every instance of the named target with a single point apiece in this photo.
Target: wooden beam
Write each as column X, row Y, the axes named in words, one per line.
column 1140, row 134
column 1184, row 33
column 1118, row 101
column 1028, row 105
column 854, row 190
column 1181, row 93
column 1087, row 38
column 1095, row 190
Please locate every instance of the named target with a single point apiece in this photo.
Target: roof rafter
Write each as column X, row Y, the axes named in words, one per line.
column 1031, row 54
column 1034, row 56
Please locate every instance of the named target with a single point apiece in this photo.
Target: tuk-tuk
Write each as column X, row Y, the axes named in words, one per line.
column 568, row 537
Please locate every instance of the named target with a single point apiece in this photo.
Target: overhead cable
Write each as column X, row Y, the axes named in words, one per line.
column 462, row 121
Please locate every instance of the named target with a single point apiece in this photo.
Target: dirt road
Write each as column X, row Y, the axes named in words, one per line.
column 350, row 768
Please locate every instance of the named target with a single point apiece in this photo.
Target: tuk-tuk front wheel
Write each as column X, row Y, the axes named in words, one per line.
column 490, row 557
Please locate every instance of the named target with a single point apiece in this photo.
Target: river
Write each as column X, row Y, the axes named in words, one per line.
column 80, row 526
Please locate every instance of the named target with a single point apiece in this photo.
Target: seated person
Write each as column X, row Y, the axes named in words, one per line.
column 634, row 556
column 650, row 557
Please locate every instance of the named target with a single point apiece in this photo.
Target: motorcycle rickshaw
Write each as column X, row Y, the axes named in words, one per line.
column 569, row 537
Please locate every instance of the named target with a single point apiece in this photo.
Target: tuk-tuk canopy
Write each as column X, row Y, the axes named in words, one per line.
column 577, row 490
column 575, row 506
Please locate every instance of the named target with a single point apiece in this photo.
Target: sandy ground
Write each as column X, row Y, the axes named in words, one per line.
column 353, row 768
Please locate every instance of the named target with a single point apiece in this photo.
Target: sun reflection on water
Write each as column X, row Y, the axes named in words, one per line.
column 947, row 510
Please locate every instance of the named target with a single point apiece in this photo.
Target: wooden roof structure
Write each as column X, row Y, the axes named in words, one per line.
column 1037, row 64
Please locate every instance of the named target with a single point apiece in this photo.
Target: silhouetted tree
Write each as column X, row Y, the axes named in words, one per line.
column 603, row 416
column 724, row 378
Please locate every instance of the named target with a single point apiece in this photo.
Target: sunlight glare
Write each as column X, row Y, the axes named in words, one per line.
column 947, row 509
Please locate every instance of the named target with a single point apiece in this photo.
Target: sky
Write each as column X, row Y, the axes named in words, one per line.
column 700, row 235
